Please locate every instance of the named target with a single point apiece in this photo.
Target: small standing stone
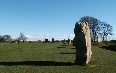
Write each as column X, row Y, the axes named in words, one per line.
column 53, row 40
column 46, row 40
column 68, row 41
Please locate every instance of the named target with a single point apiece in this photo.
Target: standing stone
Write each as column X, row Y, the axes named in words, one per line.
column 74, row 42
column 64, row 41
column 68, row 41
column 46, row 40
column 53, row 40
column 82, row 43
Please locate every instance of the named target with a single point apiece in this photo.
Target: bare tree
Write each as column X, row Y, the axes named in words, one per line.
column 22, row 37
column 106, row 29
column 7, row 37
column 2, row 40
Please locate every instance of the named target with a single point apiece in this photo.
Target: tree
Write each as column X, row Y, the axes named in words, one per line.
column 97, row 28
column 22, row 37
column 2, row 40
column 105, row 31
column 93, row 25
column 7, row 37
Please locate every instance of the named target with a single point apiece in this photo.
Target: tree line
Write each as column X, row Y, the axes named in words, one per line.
column 8, row 38
column 22, row 37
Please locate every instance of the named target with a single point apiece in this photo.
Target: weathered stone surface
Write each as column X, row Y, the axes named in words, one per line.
column 82, row 43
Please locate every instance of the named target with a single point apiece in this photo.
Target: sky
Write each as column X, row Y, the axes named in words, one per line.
column 40, row 19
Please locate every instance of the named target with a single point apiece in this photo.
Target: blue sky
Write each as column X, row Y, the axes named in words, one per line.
column 52, row 17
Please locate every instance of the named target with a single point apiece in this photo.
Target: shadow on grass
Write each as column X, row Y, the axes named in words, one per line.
column 37, row 63
column 61, row 47
column 64, row 45
column 110, row 47
column 73, row 48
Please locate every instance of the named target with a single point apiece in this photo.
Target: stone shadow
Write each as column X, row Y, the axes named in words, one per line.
column 110, row 47
column 73, row 48
column 37, row 63
column 61, row 47
column 64, row 45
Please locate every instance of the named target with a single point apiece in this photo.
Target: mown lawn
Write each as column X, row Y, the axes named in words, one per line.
column 52, row 58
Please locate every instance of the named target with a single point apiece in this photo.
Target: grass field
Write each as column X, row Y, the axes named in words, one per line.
column 53, row 58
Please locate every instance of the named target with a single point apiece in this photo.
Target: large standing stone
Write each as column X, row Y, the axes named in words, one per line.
column 82, row 43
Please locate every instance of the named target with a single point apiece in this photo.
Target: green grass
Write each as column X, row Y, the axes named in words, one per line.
column 52, row 58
